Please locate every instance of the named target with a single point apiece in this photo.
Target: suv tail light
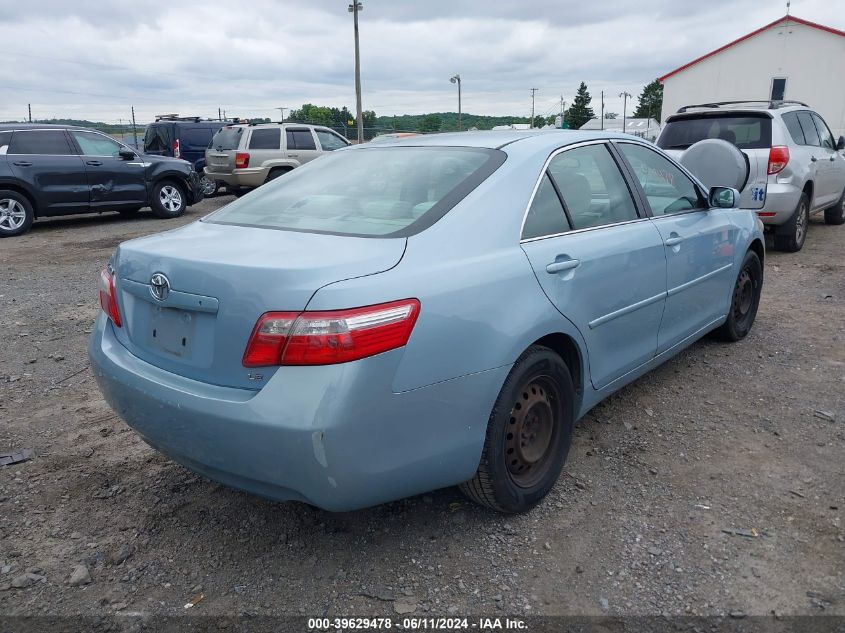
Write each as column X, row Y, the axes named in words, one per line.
column 778, row 158
column 177, row 151
column 241, row 160
column 327, row 338
column 108, row 297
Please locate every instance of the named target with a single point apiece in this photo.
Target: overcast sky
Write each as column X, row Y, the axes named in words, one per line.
column 93, row 59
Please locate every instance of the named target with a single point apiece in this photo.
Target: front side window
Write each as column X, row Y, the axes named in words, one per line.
column 546, row 215
column 668, row 189
column 824, row 132
column 265, row 138
column 593, row 189
column 300, row 139
column 330, row 141
column 372, row 192
column 49, row 142
column 810, row 132
column 790, row 119
column 93, row 144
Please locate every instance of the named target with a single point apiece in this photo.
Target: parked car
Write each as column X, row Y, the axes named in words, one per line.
column 246, row 156
column 186, row 138
column 795, row 166
column 400, row 317
column 48, row 170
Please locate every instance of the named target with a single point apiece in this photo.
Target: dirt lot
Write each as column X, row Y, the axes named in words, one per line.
column 714, row 485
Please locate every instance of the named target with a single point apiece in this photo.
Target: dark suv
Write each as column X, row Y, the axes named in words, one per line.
column 186, row 138
column 48, row 170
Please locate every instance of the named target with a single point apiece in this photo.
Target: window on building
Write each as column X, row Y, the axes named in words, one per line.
column 778, row 88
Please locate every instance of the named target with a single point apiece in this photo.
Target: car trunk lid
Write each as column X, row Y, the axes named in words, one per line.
column 190, row 298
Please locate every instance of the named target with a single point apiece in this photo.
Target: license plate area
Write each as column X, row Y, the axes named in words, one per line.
column 171, row 332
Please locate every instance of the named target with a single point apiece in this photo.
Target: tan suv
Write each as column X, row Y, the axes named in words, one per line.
column 245, row 156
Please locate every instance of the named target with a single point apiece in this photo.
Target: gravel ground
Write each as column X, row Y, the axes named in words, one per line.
column 714, row 485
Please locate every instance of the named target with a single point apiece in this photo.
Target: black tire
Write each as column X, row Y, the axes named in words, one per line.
column 238, row 191
column 209, row 186
column 836, row 213
column 790, row 236
column 526, row 445
column 16, row 213
column 276, row 172
column 169, row 199
column 129, row 212
column 745, row 300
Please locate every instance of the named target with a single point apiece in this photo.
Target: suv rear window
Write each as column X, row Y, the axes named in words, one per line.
column 227, row 138
column 157, row 138
column 372, row 192
column 746, row 131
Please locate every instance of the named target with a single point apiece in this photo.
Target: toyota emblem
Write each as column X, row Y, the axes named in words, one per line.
column 159, row 286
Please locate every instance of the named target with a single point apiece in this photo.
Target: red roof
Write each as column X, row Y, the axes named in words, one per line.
column 790, row 18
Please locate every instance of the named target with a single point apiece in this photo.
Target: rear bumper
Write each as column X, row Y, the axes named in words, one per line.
column 334, row 436
column 781, row 200
column 248, row 177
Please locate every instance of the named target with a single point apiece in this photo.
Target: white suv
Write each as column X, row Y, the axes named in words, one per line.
column 795, row 167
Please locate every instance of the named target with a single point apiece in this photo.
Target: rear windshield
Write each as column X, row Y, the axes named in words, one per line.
column 157, row 138
column 744, row 131
column 227, row 138
column 372, row 192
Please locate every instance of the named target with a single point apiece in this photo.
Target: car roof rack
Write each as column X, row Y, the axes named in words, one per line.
column 771, row 105
column 194, row 119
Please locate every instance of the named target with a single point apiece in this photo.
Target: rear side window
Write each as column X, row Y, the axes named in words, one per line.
column 744, row 131
column 157, row 138
column 5, row 137
column 790, row 119
column 227, row 138
column 300, row 139
column 196, row 137
column 545, row 216
column 266, row 138
column 52, row 142
column 372, row 192
column 330, row 141
column 824, row 132
column 593, row 189
column 666, row 187
column 810, row 133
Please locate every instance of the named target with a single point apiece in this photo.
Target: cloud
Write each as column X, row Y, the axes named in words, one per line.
column 93, row 59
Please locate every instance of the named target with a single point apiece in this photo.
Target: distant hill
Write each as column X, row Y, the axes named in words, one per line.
column 111, row 128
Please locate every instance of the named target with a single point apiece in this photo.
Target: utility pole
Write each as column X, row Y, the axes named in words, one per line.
column 624, row 96
column 282, row 109
column 29, row 108
column 354, row 8
column 134, row 128
column 562, row 106
column 219, row 114
column 457, row 80
column 533, row 90
column 602, row 109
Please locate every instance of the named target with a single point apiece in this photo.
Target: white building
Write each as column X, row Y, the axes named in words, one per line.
column 790, row 58
column 649, row 129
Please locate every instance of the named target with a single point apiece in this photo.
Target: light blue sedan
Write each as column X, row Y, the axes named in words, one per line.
column 421, row 313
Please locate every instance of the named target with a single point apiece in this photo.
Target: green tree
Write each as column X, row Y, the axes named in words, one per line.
column 650, row 102
column 430, row 123
column 580, row 111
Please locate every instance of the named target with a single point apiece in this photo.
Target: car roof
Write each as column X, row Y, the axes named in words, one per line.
column 496, row 139
column 5, row 127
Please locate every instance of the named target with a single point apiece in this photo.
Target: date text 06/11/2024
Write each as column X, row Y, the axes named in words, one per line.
column 416, row 624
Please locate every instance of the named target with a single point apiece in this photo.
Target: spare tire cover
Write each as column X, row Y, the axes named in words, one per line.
column 717, row 163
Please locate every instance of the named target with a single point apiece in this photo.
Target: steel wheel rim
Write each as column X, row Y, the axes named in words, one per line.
column 532, row 432
column 12, row 214
column 170, row 197
column 743, row 294
column 801, row 224
column 207, row 186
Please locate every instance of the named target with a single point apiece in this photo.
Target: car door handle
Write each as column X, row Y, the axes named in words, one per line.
column 293, row 155
column 94, row 163
column 566, row 264
column 674, row 240
column 23, row 163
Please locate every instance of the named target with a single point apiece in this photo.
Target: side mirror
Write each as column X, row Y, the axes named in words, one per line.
column 840, row 144
column 126, row 153
column 724, row 198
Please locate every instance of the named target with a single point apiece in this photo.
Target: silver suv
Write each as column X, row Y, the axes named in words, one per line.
column 245, row 156
column 795, row 167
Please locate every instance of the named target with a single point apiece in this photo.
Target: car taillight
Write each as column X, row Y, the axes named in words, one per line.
column 241, row 160
column 177, row 151
column 778, row 158
column 326, row 338
column 108, row 297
